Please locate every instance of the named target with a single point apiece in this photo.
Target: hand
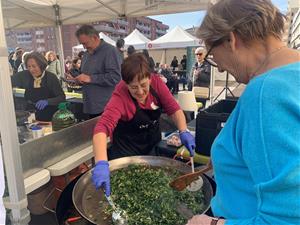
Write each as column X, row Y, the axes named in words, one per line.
column 83, row 78
column 69, row 76
column 101, row 176
column 41, row 104
column 203, row 220
column 188, row 140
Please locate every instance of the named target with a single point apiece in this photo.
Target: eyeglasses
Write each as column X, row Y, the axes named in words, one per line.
column 210, row 59
column 199, row 54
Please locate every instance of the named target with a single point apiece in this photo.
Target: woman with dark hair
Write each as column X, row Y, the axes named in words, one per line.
column 43, row 92
column 131, row 118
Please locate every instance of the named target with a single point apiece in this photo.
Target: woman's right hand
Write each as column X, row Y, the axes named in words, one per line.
column 101, row 176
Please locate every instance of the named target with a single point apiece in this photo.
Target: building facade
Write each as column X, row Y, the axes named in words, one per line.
column 44, row 39
column 293, row 24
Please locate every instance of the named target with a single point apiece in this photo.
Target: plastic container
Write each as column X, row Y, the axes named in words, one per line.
column 209, row 123
column 62, row 118
column 37, row 131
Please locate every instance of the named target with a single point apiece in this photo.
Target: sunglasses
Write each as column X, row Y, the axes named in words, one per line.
column 199, row 54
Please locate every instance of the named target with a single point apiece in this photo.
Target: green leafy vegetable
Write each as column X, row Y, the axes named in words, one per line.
column 144, row 193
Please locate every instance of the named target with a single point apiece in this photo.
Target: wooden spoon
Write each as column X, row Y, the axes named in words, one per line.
column 180, row 183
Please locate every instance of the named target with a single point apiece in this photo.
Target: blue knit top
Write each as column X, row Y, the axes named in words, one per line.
column 256, row 156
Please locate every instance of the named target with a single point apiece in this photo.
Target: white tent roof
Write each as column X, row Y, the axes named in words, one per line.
column 107, row 39
column 176, row 38
column 40, row 13
column 137, row 39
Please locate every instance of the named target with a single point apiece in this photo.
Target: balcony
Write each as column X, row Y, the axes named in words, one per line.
column 142, row 27
column 40, row 41
column 161, row 32
column 105, row 28
column 120, row 22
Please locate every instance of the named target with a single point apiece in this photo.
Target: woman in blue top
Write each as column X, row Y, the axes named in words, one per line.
column 256, row 156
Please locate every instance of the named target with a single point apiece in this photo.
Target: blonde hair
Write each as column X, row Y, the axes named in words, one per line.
column 50, row 53
column 249, row 19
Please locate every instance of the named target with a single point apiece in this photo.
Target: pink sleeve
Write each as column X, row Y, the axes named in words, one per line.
column 111, row 115
column 167, row 100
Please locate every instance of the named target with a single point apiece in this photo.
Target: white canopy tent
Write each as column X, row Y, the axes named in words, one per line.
column 137, row 39
column 41, row 13
column 76, row 49
column 176, row 38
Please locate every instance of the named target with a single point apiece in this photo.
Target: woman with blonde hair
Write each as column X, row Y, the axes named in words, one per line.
column 256, row 155
column 53, row 64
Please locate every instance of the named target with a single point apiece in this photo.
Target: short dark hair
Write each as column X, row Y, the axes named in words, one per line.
column 135, row 65
column 87, row 30
column 146, row 53
column 80, row 54
column 120, row 43
column 130, row 50
column 39, row 58
column 74, row 61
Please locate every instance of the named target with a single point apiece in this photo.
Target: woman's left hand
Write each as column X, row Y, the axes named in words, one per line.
column 204, row 220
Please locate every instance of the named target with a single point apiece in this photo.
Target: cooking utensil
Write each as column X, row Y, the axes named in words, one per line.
column 192, row 165
column 90, row 202
column 119, row 216
column 180, row 183
column 73, row 219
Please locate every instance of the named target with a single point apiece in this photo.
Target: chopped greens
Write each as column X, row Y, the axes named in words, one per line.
column 144, row 193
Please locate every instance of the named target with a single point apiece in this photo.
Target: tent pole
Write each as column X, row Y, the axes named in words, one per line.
column 10, row 144
column 58, row 34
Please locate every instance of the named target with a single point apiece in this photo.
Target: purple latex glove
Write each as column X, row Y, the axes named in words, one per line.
column 101, row 176
column 188, row 140
column 41, row 104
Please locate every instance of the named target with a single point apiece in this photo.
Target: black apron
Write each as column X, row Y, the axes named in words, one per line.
column 33, row 95
column 139, row 135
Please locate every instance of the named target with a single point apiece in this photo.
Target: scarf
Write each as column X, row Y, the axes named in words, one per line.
column 38, row 80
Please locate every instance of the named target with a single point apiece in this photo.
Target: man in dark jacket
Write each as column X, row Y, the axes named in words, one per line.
column 100, row 70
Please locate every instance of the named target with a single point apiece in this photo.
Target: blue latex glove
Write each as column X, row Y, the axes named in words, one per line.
column 101, row 176
column 41, row 104
column 188, row 140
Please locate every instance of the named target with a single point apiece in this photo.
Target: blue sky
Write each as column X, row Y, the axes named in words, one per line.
column 187, row 20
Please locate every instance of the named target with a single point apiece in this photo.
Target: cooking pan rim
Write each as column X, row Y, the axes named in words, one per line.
column 139, row 160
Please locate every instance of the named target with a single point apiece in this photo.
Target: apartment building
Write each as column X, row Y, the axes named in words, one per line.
column 294, row 24
column 44, row 39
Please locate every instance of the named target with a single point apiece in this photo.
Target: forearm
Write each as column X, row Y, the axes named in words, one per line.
column 179, row 120
column 100, row 146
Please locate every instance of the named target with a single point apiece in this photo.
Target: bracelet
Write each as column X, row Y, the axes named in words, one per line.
column 214, row 221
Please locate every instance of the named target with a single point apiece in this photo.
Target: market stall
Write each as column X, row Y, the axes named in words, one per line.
column 20, row 14
column 136, row 39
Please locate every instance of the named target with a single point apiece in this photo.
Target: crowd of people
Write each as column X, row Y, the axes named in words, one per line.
column 255, row 158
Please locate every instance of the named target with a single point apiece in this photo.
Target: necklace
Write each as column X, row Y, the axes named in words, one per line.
column 267, row 58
